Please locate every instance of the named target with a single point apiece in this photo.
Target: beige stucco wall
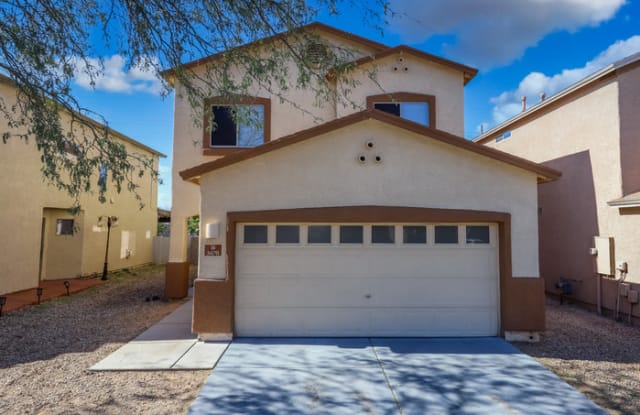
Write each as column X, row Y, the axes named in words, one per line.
column 446, row 84
column 25, row 198
column 586, row 138
column 629, row 103
column 417, row 172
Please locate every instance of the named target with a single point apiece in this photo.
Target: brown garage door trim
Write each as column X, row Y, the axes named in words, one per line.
column 521, row 299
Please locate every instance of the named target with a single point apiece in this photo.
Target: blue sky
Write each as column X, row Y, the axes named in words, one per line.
column 520, row 47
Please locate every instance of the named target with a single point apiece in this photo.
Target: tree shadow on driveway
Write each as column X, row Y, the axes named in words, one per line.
column 384, row 376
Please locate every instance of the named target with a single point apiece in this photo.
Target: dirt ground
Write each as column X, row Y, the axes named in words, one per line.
column 596, row 355
column 45, row 352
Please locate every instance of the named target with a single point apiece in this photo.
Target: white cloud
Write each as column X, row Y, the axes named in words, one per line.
column 493, row 33
column 508, row 103
column 112, row 75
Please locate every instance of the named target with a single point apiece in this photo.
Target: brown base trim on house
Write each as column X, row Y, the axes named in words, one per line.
column 176, row 280
column 213, row 303
column 521, row 299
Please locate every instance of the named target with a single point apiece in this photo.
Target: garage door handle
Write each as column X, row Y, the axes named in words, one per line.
column 367, row 296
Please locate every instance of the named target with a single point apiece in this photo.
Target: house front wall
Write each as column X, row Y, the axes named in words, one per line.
column 298, row 112
column 302, row 110
column 324, row 172
column 406, row 73
column 29, row 199
column 589, row 138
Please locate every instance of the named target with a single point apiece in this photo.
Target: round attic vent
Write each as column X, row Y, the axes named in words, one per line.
column 316, row 54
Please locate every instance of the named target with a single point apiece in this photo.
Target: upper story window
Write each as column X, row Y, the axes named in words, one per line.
column 242, row 124
column 419, row 108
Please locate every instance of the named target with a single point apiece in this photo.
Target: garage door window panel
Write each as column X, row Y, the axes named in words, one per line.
column 287, row 234
column 446, row 234
column 414, row 234
column 319, row 234
column 351, row 234
column 478, row 234
column 383, row 234
column 255, row 234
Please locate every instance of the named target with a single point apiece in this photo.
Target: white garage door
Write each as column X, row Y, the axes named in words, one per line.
column 366, row 280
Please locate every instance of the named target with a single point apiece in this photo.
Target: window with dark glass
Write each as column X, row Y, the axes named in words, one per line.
column 383, row 234
column 478, row 234
column 255, row 234
column 446, row 234
column 319, row 234
column 287, row 234
column 237, row 126
column 351, row 234
column 412, row 111
column 64, row 227
column 414, row 234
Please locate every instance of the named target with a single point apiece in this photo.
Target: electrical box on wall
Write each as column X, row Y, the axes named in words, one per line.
column 605, row 257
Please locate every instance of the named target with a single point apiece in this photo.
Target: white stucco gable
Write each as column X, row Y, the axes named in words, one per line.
column 400, row 168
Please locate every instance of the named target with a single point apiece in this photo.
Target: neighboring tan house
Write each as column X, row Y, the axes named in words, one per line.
column 41, row 240
column 371, row 223
column 591, row 133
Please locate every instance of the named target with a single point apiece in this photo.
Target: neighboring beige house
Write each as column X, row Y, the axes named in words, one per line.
column 41, row 240
column 377, row 221
column 591, row 133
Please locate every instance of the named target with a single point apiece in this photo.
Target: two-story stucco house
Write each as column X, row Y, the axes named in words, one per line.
column 380, row 220
column 590, row 131
column 42, row 240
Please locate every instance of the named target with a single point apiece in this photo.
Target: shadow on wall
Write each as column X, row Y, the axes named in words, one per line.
column 568, row 222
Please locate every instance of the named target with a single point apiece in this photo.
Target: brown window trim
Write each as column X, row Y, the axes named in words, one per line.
column 406, row 97
column 209, row 150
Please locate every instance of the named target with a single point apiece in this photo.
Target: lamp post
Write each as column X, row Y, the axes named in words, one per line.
column 111, row 220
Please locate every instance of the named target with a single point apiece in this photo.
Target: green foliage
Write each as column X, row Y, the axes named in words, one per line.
column 44, row 44
column 193, row 225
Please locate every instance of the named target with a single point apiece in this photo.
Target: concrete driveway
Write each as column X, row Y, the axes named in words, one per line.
column 384, row 376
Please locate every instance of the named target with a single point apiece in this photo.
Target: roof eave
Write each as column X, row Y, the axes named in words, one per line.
column 543, row 173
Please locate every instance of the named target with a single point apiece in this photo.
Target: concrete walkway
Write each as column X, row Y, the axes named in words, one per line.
column 167, row 345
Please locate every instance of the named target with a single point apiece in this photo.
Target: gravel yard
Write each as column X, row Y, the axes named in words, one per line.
column 594, row 354
column 45, row 352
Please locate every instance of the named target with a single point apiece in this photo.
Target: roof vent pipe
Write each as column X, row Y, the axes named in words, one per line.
column 524, row 103
column 542, row 96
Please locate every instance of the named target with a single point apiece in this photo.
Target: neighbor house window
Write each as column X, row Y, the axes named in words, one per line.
column 238, row 125
column 319, row 234
column 255, row 234
column 351, row 234
column 287, row 234
column 64, row 227
column 383, row 234
column 446, row 234
column 419, row 108
column 414, row 234
column 478, row 234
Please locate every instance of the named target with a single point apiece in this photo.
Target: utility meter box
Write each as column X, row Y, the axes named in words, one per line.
column 605, row 258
